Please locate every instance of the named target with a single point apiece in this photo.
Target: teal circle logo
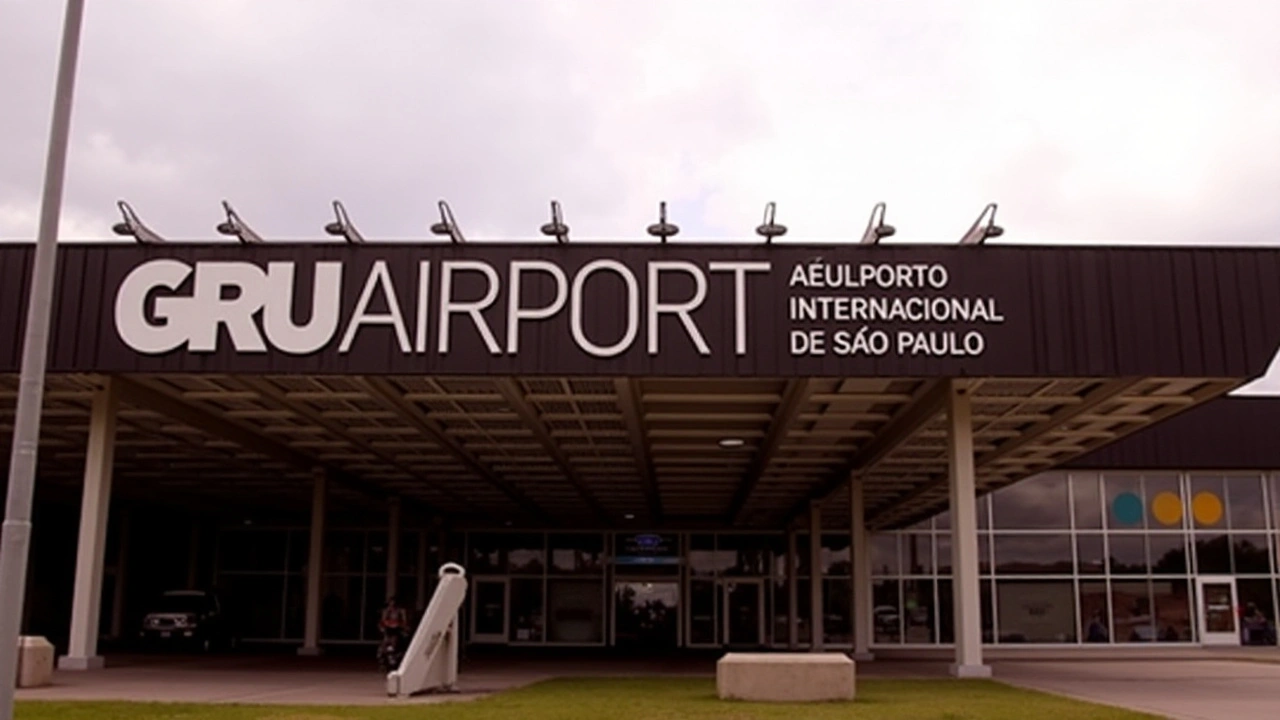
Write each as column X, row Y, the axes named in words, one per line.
column 1127, row 509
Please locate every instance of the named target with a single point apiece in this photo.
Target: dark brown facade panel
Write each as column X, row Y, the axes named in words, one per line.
column 1231, row 433
column 1031, row 311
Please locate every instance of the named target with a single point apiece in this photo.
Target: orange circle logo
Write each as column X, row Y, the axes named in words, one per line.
column 1207, row 508
column 1166, row 508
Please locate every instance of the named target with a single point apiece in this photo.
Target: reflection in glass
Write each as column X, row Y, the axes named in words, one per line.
column 835, row 555
column 340, row 611
column 1036, row 611
column 1173, row 609
column 344, row 552
column 1091, row 554
column 917, row 611
column 702, row 612
column 575, row 611
column 946, row 612
column 576, row 553
column 1094, row 618
column 1033, row 554
column 1128, row 554
column 1249, row 555
column 944, row 553
column 1245, row 506
column 1167, row 553
column 526, row 554
column 837, row 615
column 1213, row 554
column 376, row 557
column 646, row 614
column 1258, row 619
column 486, row 554
column 490, row 608
column 525, row 620
column 917, row 554
column 1088, row 500
column 884, row 555
column 1132, row 619
column 781, row 622
column 1037, row 503
column 885, row 610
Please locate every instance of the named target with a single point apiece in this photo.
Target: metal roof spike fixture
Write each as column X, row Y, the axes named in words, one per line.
column 132, row 226
column 236, row 227
column 979, row 233
column 556, row 228
column 770, row 229
column 447, row 225
column 876, row 227
column 663, row 229
column 342, row 227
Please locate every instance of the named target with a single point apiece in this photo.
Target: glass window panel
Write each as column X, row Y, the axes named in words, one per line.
column 575, row 611
column 254, row 604
column 1245, row 507
column 1088, row 500
column 917, row 554
column 1165, row 506
column 942, row 521
column 487, row 554
column 1208, row 501
column 577, row 553
column 884, row 554
column 1033, row 554
column 1213, row 554
column 837, row 616
column 344, row 552
column 804, row 611
column 984, row 512
column 1091, row 554
column 918, row 612
column 1258, row 622
column 702, row 612
column 1039, row 502
column 835, row 554
column 295, row 608
column 1250, row 555
column 802, row 554
column 341, row 611
column 375, row 596
column 1036, row 611
column 525, row 610
column 648, row 554
column 376, row 559
column 944, row 553
column 1093, row 612
column 1173, row 609
column 408, row 553
column 526, row 553
column 781, row 623
column 946, row 612
column 1275, row 502
column 253, row 550
column 1167, row 553
column 886, row 611
column 299, row 550
column 1132, row 619
column 1128, row 554
column 749, row 555
column 1124, row 502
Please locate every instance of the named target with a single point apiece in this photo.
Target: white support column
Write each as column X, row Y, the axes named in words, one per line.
column 393, row 546
column 860, row 560
column 86, row 607
column 122, row 575
column 964, row 537
column 793, row 612
column 315, row 568
column 816, row 639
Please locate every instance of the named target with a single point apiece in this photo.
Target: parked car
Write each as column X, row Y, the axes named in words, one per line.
column 187, row 618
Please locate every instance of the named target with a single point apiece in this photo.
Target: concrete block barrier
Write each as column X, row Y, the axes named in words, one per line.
column 786, row 677
column 35, row 662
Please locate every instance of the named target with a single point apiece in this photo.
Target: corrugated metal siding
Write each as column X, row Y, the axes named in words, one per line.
column 1071, row 311
column 1232, row 433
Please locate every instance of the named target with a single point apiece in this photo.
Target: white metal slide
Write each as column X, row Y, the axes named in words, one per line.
column 431, row 662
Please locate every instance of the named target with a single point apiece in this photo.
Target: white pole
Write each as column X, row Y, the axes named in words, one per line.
column 16, row 538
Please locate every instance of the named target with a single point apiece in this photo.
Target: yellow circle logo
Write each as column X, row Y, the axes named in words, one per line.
column 1207, row 508
column 1166, row 508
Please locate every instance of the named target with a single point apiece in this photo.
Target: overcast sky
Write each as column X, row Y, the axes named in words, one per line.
column 1089, row 121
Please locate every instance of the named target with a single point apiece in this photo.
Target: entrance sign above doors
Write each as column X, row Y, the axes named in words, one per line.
column 657, row 310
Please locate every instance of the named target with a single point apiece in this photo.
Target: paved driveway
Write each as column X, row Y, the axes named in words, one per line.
column 1182, row 689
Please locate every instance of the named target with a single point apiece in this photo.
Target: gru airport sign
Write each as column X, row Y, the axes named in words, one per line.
column 726, row 310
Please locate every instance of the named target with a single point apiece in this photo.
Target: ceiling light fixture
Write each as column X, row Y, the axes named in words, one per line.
column 629, row 516
column 731, row 443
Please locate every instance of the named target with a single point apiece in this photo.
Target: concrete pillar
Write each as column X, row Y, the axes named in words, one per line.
column 122, row 575
column 393, row 546
column 860, row 560
column 964, row 537
column 793, row 612
column 816, row 640
column 86, row 606
column 315, row 566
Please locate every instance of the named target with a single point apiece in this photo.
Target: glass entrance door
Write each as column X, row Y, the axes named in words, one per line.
column 743, row 612
column 646, row 615
column 489, row 599
column 1216, row 610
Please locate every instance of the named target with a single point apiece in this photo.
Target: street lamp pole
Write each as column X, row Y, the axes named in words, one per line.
column 15, row 542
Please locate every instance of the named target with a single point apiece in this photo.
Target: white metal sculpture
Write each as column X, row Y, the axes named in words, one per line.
column 431, row 662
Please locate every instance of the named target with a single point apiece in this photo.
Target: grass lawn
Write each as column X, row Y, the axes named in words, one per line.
column 638, row 699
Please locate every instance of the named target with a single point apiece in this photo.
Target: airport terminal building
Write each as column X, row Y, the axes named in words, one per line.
column 653, row 447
